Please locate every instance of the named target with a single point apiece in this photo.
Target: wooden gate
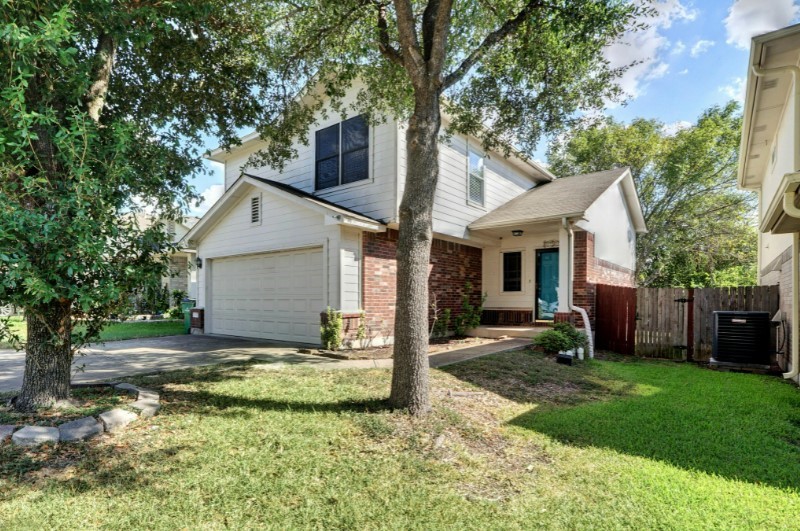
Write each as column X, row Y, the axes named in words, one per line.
column 672, row 323
column 616, row 319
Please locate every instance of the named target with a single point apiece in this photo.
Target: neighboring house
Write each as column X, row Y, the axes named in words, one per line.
column 182, row 270
column 280, row 247
column 769, row 164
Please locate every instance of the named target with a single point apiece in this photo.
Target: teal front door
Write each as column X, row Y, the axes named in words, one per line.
column 546, row 284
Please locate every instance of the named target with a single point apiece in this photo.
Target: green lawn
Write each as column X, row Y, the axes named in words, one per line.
column 514, row 441
column 117, row 331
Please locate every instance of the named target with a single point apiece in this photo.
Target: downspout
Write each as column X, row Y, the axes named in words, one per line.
column 791, row 210
column 584, row 315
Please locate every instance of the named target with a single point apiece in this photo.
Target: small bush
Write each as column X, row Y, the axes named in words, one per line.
column 470, row 316
column 331, row 330
column 577, row 337
column 553, row 341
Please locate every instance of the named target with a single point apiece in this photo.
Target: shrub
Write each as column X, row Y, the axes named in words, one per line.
column 442, row 324
column 470, row 315
column 553, row 341
column 331, row 330
column 577, row 337
column 177, row 296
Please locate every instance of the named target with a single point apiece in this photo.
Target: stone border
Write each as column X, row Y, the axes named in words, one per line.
column 147, row 402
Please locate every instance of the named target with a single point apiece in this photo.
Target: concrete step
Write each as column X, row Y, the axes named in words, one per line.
column 526, row 332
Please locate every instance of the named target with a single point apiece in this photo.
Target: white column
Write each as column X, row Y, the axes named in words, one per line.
column 563, row 269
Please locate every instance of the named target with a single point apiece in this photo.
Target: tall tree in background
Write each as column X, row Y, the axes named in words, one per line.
column 100, row 105
column 506, row 71
column 701, row 227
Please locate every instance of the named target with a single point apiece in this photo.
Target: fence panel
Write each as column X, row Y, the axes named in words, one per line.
column 661, row 327
column 616, row 319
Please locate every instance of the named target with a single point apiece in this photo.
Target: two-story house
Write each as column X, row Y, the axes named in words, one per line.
column 182, row 273
column 279, row 247
column 769, row 164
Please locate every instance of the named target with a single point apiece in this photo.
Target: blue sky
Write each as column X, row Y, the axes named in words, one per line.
column 693, row 55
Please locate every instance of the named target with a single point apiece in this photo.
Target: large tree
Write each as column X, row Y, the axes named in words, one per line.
column 701, row 227
column 100, row 104
column 504, row 70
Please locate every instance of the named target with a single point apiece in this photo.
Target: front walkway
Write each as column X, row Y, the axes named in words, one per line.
column 117, row 359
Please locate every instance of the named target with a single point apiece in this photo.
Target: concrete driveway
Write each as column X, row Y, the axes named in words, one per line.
column 157, row 354
column 117, row 359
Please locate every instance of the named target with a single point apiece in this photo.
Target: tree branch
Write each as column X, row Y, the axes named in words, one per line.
column 384, row 45
column 436, row 41
column 409, row 42
column 490, row 41
column 104, row 56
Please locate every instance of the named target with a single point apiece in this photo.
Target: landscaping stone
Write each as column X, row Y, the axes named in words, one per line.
column 147, row 394
column 130, row 388
column 147, row 407
column 116, row 419
column 5, row 431
column 35, row 435
column 80, row 429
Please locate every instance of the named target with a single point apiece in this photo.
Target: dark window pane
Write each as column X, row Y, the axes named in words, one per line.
column 327, row 173
column 355, row 134
column 328, row 142
column 512, row 271
column 355, row 166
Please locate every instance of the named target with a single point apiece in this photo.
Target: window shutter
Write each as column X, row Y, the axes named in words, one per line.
column 255, row 209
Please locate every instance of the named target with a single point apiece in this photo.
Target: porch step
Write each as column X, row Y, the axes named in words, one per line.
column 494, row 332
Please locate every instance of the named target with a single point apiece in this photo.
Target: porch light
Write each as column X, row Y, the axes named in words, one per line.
column 516, row 232
column 199, row 263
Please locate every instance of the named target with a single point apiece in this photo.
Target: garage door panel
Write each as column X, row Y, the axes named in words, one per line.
column 272, row 296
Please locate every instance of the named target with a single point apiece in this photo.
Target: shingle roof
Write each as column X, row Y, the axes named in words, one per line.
column 567, row 196
column 313, row 198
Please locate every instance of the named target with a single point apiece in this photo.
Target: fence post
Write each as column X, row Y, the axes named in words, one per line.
column 690, row 326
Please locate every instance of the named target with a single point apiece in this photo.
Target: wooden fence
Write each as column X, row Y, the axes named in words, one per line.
column 672, row 323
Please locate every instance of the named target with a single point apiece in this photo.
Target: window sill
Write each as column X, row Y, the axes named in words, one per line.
column 479, row 206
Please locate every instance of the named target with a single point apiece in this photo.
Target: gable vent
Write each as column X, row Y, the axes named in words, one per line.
column 255, row 209
column 759, row 128
column 770, row 84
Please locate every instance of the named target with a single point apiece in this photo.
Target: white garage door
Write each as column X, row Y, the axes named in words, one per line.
column 270, row 296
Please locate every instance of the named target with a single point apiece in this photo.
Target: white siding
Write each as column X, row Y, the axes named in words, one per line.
column 452, row 213
column 772, row 245
column 285, row 225
column 374, row 197
column 614, row 233
column 350, row 257
column 493, row 271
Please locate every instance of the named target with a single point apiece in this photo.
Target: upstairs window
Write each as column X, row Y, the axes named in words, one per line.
column 475, row 182
column 342, row 153
column 512, row 271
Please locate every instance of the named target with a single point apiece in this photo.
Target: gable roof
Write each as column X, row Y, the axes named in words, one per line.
column 299, row 197
column 568, row 197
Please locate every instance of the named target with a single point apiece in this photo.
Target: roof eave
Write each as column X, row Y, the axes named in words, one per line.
column 525, row 221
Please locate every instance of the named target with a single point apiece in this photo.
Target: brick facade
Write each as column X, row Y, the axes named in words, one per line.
column 452, row 266
column 589, row 271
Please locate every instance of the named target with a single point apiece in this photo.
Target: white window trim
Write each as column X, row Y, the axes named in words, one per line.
column 522, row 283
column 482, row 155
column 260, row 199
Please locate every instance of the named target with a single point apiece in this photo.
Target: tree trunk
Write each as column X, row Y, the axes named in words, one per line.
column 48, row 356
column 410, row 374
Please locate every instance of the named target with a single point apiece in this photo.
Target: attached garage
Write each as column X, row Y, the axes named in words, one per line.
column 270, row 296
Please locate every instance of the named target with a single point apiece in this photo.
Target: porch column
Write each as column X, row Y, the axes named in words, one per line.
column 564, row 253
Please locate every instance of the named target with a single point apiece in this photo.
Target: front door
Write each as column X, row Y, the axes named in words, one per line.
column 546, row 284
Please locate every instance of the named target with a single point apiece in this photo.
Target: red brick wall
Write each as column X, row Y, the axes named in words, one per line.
column 452, row 266
column 590, row 271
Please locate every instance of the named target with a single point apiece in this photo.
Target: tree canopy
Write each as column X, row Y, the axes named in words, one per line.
column 701, row 227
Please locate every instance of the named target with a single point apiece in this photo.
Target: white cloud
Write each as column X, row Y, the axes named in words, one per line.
column 701, row 47
column 210, row 196
column 675, row 127
column 683, row 72
column 748, row 18
column 645, row 47
column 678, row 48
column 734, row 90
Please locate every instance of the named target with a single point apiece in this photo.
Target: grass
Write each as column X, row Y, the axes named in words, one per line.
column 514, row 441
column 116, row 331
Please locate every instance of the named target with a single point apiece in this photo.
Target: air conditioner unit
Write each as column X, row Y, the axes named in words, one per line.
column 742, row 338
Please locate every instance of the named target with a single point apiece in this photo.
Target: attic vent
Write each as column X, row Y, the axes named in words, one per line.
column 770, row 84
column 171, row 228
column 255, row 209
column 759, row 128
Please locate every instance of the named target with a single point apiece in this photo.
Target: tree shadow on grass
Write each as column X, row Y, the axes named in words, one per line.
column 737, row 426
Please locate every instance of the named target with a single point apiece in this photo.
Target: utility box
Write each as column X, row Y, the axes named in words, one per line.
column 742, row 338
column 197, row 320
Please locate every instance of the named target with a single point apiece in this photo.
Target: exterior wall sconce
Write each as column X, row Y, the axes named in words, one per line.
column 516, row 232
column 199, row 263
